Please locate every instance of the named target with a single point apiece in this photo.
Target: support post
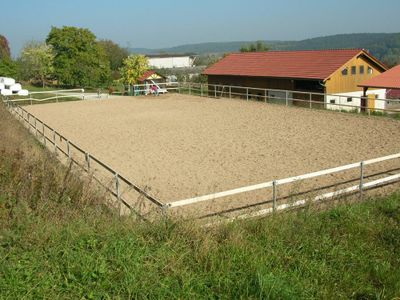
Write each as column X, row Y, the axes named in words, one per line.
column 265, row 95
column 36, row 131
column 247, row 94
column 44, row 135
column 361, row 179
column 87, row 157
column 68, row 150
column 215, row 91
column 287, row 98
column 190, row 88
column 310, row 100
column 274, row 195
column 55, row 142
column 118, row 192
column 230, row 92
column 201, row 90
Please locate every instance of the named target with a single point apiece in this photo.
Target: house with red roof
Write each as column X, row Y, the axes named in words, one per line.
column 389, row 81
column 307, row 71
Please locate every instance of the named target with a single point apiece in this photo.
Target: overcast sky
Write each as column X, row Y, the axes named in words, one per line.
column 157, row 24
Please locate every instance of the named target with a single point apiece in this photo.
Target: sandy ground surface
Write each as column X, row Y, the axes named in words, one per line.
column 182, row 146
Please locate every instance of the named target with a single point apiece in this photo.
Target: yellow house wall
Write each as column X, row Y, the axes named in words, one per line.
column 339, row 83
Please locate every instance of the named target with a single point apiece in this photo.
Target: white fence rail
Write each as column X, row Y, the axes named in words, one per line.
column 116, row 184
column 48, row 136
column 342, row 102
column 277, row 183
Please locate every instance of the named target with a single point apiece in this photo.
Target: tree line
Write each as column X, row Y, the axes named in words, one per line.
column 72, row 57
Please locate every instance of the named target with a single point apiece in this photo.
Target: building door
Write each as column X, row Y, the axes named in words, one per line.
column 371, row 102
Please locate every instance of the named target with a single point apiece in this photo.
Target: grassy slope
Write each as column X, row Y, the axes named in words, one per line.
column 57, row 241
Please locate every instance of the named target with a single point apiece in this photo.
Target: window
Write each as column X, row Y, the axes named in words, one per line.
column 353, row 70
column 361, row 69
column 370, row 70
column 332, row 101
column 345, row 72
column 349, row 99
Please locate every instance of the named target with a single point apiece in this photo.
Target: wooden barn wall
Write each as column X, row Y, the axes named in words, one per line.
column 339, row 83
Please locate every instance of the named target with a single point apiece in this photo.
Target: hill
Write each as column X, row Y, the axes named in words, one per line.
column 385, row 46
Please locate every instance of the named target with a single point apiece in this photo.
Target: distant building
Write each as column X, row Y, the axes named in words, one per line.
column 311, row 71
column 171, row 61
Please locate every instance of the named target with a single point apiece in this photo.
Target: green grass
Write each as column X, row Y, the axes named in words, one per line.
column 57, row 241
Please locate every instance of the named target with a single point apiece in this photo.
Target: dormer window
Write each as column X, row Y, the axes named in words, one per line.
column 370, row 70
column 345, row 71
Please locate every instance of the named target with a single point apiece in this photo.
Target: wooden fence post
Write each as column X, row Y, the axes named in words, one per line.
column 310, row 100
column 230, row 92
column 247, row 94
column 201, row 90
column 215, row 91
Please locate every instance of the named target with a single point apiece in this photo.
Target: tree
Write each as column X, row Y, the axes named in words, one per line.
column 114, row 53
column 36, row 62
column 4, row 48
column 133, row 68
column 8, row 68
column 78, row 60
column 259, row 46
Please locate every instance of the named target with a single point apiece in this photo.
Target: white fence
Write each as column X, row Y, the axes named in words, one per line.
column 340, row 102
column 123, row 190
column 276, row 184
column 120, row 187
column 56, row 96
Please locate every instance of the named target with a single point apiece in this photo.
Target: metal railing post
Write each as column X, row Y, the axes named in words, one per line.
column 190, row 88
column 215, row 91
column 247, row 94
column 54, row 141
column 87, row 158
column 201, row 90
column 68, row 150
column 118, row 192
column 265, row 95
column 36, row 131
column 287, row 98
column 361, row 179
column 44, row 135
column 230, row 92
column 310, row 100
column 274, row 196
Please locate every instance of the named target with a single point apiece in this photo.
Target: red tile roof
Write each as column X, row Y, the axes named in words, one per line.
column 389, row 80
column 309, row 64
column 146, row 75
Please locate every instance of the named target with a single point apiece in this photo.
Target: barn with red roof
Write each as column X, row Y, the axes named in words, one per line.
column 313, row 71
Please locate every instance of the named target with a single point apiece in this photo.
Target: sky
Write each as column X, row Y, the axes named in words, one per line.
column 159, row 24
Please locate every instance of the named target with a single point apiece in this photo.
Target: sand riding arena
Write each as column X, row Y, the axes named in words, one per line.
column 178, row 147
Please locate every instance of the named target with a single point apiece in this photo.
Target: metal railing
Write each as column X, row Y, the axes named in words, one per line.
column 145, row 89
column 275, row 184
column 113, row 182
column 56, row 96
column 120, row 187
column 338, row 102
